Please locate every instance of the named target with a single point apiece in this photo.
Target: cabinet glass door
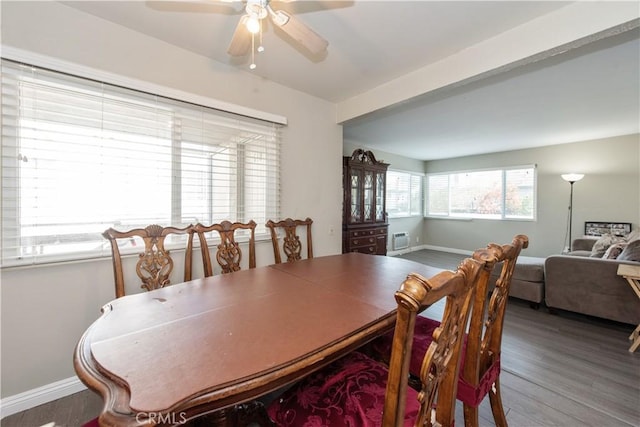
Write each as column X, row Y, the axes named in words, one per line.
column 368, row 195
column 380, row 196
column 356, row 208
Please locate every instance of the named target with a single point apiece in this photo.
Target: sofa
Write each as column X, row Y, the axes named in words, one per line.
column 585, row 280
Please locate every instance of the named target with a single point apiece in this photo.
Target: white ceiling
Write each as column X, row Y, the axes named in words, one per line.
column 590, row 92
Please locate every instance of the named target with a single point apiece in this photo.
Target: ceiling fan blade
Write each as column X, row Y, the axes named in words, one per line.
column 299, row 32
column 241, row 40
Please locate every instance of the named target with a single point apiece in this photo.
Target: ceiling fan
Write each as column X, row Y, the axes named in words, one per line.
column 251, row 23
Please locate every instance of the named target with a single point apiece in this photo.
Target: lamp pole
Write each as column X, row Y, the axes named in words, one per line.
column 571, row 178
column 570, row 212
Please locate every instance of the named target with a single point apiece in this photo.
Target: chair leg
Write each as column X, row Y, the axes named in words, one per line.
column 496, row 405
column 471, row 416
column 243, row 415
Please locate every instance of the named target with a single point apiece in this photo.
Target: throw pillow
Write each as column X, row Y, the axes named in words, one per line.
column 631, row 252
column 634, row 235
column 614, row 250
column 602, row 244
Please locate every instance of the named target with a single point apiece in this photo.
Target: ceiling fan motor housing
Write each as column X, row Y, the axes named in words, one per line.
column 257, row 8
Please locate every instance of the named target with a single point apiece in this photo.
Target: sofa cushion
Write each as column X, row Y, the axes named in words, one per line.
column 584, row 243
column 528, row 269
column 631, row 252
column 634, row 235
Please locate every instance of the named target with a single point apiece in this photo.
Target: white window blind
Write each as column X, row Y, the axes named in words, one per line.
column 404, row 194
column 79, row 156
column 490, row 194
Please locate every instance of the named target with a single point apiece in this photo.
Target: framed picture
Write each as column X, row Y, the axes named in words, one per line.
column 598, row 228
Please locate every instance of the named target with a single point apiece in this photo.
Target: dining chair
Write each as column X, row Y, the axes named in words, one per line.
column 155, row 264
column 228, row 252
column 357, row 390
column 291, row 245
column 480, row 371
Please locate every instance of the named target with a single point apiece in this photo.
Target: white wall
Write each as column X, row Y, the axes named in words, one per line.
column 45, row 309
column 610, row 191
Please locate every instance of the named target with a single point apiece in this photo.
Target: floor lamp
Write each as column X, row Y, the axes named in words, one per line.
column 571, row 178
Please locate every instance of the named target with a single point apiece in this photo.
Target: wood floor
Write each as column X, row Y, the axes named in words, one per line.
column 557, row 370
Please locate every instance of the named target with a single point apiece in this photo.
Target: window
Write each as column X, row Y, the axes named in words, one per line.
column 404, row 194
column 489, row 194
column 79, row 156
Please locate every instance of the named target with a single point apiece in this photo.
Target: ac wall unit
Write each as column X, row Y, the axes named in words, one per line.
column 400, row 240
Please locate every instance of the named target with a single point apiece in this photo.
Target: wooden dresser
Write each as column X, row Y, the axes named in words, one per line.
column 364, row 218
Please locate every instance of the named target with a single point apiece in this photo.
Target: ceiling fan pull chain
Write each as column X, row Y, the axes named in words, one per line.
column 253, row 52
column 260, row 46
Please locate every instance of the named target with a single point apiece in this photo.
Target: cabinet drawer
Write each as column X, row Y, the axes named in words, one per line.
column 365, row 249
column 363, row 241
column 362, row 233
column 382, row 231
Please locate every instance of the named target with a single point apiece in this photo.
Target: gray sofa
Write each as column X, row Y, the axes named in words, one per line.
column 590, row 285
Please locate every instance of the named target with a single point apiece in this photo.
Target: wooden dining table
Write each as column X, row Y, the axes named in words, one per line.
column 172, row 354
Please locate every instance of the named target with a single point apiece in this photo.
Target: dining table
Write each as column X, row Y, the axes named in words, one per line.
column 173, row 354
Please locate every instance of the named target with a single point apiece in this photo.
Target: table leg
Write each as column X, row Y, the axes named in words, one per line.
column 632, row 274
column 253, row 413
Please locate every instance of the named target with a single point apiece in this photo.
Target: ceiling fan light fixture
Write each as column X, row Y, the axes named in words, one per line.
column 253, row 25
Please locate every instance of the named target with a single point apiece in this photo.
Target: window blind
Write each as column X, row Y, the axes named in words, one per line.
column 79, row 156
column 404, row 194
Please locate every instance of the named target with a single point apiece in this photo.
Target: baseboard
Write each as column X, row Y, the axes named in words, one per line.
column 451, row 250
column 431, row 247
column 37, row 396
column 405, row 250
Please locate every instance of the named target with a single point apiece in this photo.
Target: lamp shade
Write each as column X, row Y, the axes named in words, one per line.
column 572, row 177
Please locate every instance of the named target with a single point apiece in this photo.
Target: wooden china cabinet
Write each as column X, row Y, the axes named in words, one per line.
column 364, row 218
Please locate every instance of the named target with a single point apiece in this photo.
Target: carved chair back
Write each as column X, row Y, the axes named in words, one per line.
column 155, row 263
column 440, row 366
column 484, row 339
column 228, row 253
column 291, row 245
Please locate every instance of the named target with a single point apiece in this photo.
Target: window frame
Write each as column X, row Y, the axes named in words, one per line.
column 503, row 216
